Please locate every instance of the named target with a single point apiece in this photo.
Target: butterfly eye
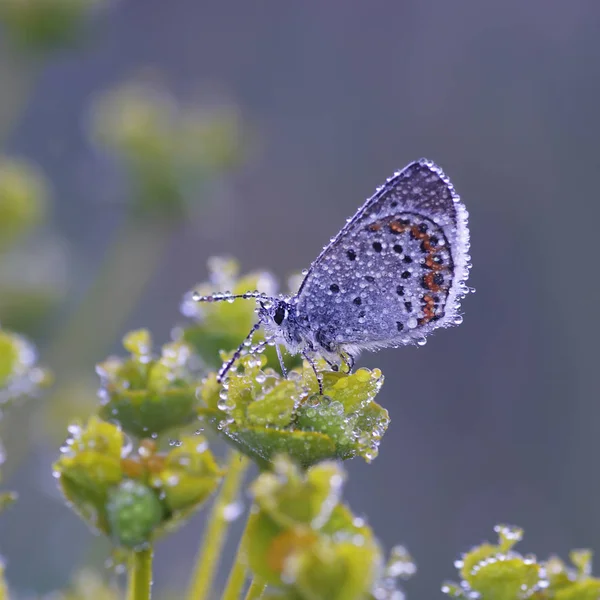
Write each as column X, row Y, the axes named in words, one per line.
column 279, row 315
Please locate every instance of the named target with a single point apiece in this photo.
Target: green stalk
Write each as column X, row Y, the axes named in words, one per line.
column 212, row 545
column 257, row 587
column 237, row 575
column 139, row 585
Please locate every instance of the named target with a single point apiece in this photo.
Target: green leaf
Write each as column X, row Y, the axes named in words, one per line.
column 262, row 444
column 189, row 475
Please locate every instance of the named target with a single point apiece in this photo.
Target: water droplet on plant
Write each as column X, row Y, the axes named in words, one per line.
column 232, row 511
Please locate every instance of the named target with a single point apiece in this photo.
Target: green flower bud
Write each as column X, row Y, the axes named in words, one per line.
column 134, row 511
column 23, row 198
column 148, row 395
column 89, row 467
column 41, row 25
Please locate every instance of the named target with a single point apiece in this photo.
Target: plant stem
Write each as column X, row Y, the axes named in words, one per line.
column 139, row 585
column 257, row 587
column 218, row 524
column 237, row 575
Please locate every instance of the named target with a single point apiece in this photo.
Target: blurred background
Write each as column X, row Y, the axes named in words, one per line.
column 306, row 108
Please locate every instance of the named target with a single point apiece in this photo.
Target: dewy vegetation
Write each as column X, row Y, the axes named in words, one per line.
column 139, row 463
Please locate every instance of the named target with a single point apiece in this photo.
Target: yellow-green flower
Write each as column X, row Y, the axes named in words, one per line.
column 263, row 414
column 497, row 572
column 148, row 394
column 133, row 496
column 301, row 539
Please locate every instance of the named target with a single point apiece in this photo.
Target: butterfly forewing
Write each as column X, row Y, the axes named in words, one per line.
column 398, row 268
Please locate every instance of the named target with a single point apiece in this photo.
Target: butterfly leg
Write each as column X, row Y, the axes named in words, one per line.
column 281, row 363
column 348, row 360
column 318, row 375
column 236, row 355
column 333, row 366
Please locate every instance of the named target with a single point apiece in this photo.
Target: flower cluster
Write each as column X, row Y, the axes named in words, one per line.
column 133, row 495
column 304, row 542
column 497, row 572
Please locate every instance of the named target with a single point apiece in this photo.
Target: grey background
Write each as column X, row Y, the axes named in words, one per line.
column 494, row 421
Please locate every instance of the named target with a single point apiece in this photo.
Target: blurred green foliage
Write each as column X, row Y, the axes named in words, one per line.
column 23, row 199
column 19, row 375
column 42, row 25
column 166, row 149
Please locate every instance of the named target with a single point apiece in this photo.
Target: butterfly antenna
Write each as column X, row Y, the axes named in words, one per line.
column 236, row 355
column 229, row 297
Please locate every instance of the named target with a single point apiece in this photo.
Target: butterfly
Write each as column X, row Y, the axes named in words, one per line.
column 395, row 272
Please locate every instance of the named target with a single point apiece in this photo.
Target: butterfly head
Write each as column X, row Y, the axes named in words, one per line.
column 280, row 321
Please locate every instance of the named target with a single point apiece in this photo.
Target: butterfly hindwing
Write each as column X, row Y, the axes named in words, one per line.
column 396, row 270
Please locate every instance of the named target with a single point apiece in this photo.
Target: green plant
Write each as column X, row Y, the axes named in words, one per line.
column 139, row 464
column 120, row 475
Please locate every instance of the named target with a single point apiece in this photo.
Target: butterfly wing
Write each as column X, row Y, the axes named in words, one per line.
column 398, row 268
